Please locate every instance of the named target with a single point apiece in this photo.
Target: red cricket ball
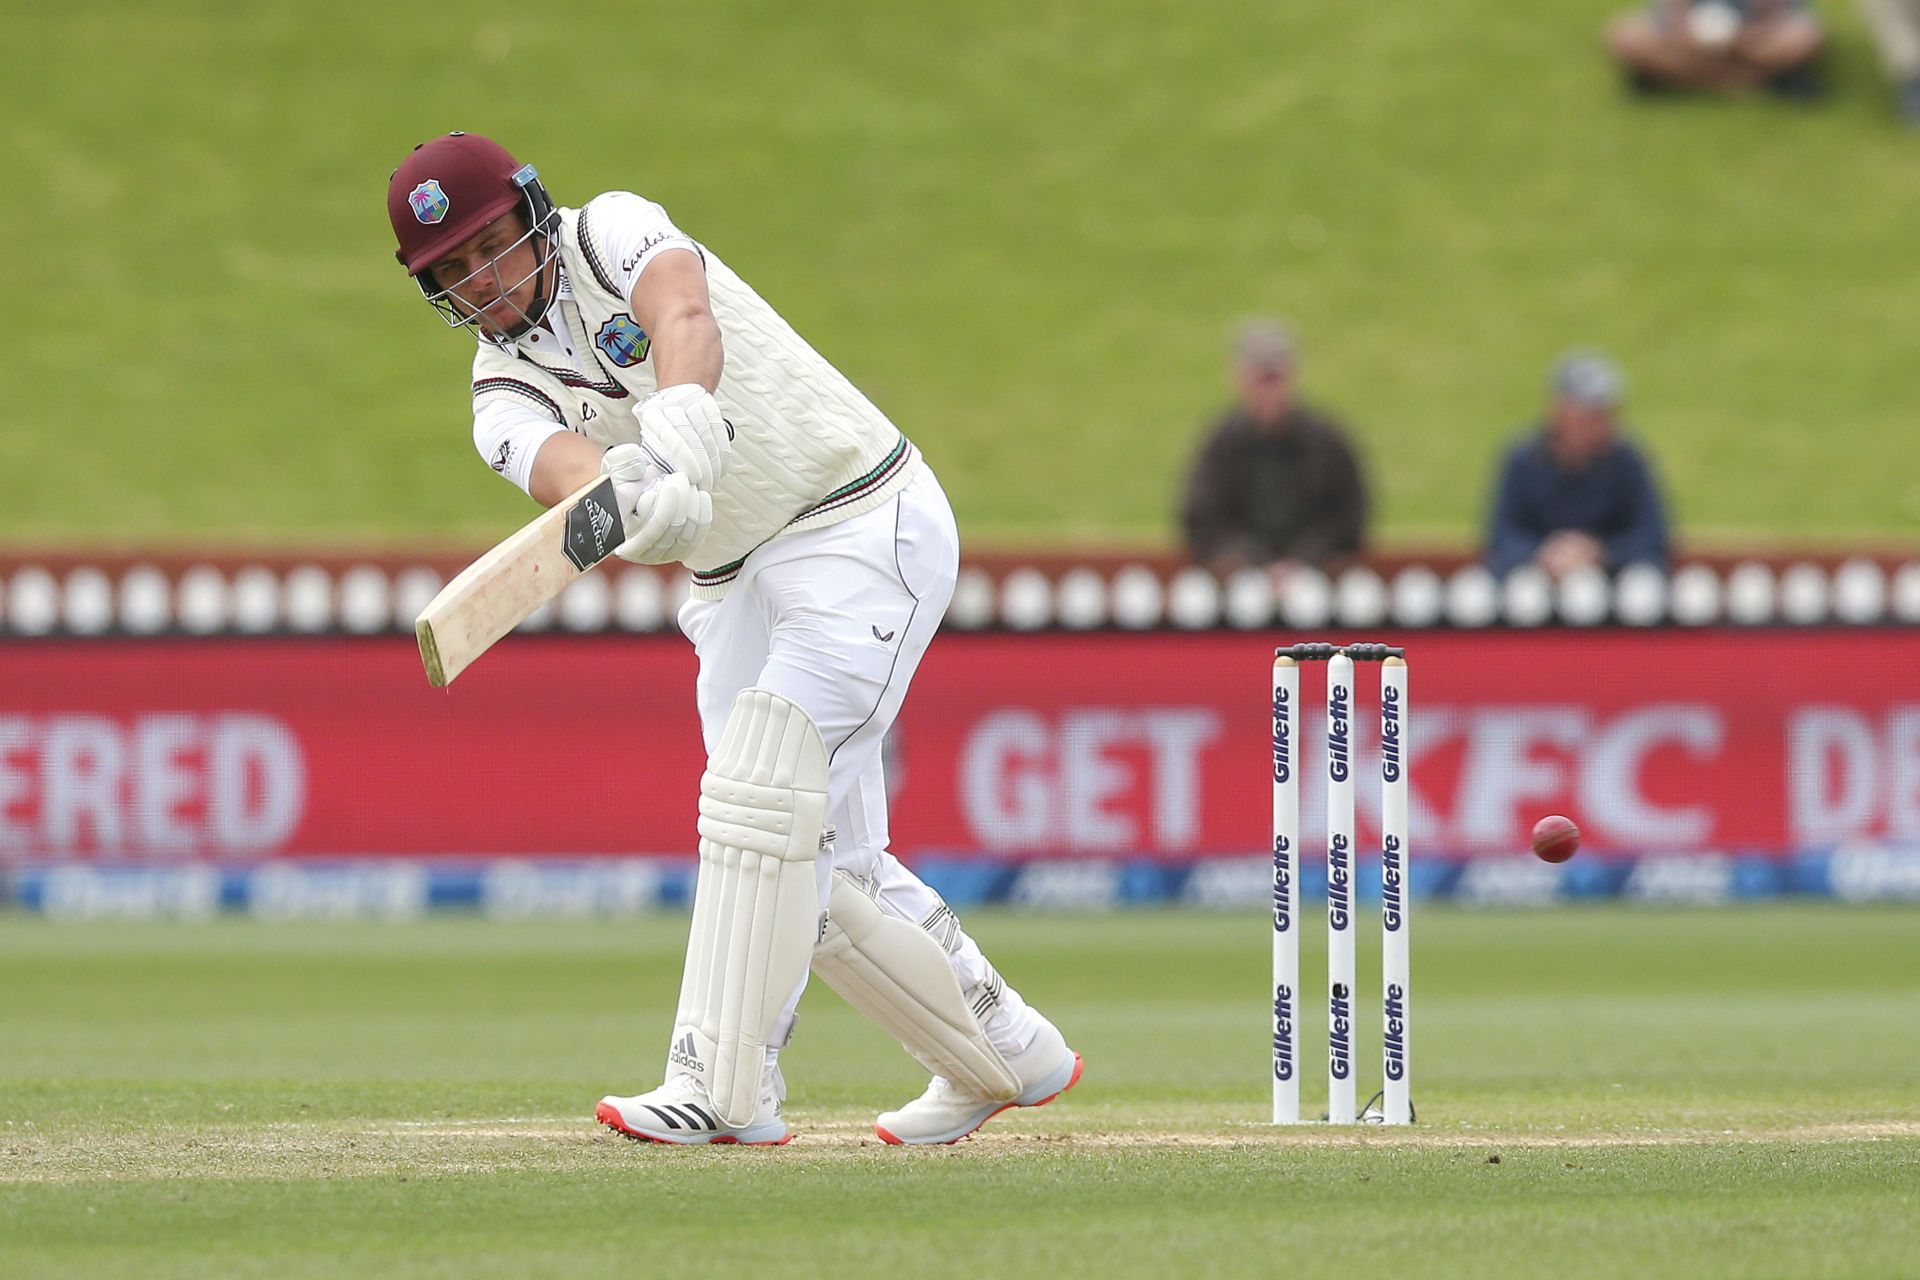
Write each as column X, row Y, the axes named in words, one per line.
column 1555, row 838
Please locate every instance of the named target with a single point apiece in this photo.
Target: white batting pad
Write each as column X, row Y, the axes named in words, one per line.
column 898, row 974
column 756, row 915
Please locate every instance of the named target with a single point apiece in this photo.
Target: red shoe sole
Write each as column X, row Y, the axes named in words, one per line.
column 609, row 1116
column 1072, row 1080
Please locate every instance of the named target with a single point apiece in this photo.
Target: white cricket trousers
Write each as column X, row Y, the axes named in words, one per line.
column 836, row 620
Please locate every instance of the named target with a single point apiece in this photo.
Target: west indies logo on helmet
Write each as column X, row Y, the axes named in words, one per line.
column 429, row 201
column 449, row 191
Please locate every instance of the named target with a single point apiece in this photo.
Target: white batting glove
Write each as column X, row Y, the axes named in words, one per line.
column 673, row 517
column 684, row 427
column 633, row 469
column 662, row 514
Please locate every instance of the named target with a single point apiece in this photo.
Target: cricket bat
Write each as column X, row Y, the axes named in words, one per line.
column 495, row 593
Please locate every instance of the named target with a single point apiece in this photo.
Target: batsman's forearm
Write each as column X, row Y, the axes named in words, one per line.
column 687, row 349
column 564, row 463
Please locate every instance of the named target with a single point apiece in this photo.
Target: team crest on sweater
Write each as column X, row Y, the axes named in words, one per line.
column 624, row 341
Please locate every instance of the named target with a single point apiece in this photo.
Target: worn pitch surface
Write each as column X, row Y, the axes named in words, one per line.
column 1600, row 1091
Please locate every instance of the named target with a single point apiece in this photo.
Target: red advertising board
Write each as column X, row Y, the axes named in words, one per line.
column 1104, row 744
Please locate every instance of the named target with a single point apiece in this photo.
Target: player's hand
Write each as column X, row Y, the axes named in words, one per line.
column 633, row 469
column 672, row 516
column 684, row 426
column 662, row 514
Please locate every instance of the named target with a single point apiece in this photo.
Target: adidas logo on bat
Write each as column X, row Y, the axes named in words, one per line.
column 602, row 521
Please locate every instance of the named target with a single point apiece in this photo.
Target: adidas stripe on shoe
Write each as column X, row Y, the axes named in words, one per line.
column 679, row 1113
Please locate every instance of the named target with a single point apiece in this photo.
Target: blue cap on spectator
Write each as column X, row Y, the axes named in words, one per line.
column 1587, row 377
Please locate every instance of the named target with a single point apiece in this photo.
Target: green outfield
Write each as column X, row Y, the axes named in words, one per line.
column 1601, row 1092
column 1024, row 231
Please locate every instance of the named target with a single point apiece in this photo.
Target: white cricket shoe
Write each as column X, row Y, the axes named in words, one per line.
column 946, row 1112
column 680, row 1112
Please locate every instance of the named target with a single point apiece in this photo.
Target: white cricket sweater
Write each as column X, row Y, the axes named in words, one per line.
column 809, row 449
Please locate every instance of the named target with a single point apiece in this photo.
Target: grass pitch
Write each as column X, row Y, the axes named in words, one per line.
column 1601, row 1092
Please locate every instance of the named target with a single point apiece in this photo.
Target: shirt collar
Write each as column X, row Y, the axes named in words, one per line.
column 553, row 322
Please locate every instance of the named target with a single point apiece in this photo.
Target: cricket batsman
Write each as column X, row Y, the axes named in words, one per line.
column 823, row 554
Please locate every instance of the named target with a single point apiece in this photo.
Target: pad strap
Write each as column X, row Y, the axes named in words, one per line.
column 898, row 974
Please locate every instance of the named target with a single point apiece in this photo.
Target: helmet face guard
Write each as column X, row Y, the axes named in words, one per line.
column 508, row 320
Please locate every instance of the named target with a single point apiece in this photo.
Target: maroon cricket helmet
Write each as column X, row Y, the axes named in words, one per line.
column 450, row 188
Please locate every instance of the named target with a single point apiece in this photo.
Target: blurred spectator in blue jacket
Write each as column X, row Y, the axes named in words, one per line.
column 1727, row 46
column 1896, row 29
column 1574, row 493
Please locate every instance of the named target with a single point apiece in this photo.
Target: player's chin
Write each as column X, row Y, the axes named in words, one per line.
column 507, row 327
column 504, row 320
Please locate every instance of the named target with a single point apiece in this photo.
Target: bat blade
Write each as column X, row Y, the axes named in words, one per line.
column 495, row 593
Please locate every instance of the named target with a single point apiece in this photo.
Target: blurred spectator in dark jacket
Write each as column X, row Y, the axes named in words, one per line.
column 1896, row 29
column 1722, row 45
column 1276, row 481
column 1574, row 492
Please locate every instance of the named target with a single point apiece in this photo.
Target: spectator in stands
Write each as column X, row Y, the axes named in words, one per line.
column 1896, row 29
column 1276, row 482
column 1727, row 46
column 1574, row 493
